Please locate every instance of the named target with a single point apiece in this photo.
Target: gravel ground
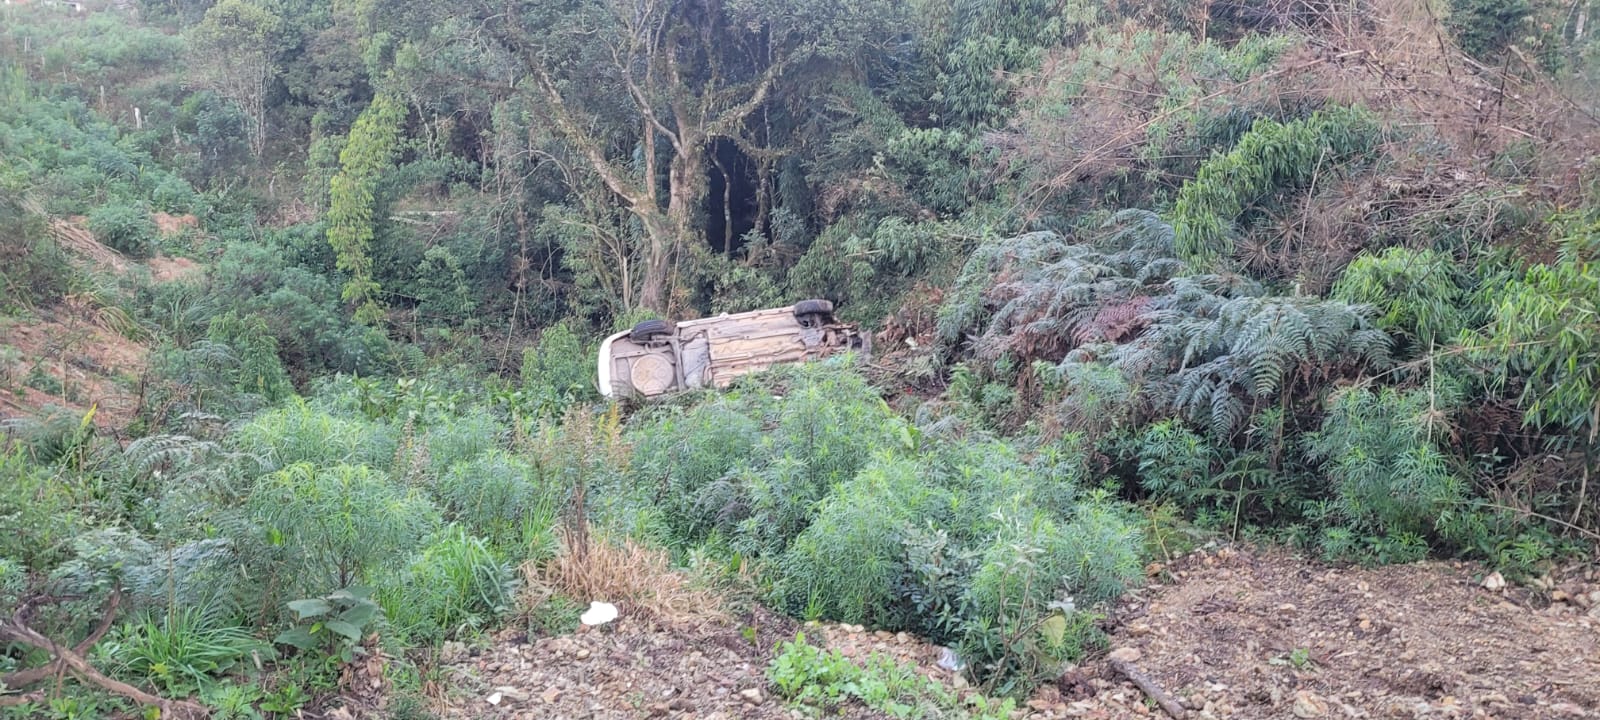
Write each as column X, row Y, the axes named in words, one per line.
column 1229, row 634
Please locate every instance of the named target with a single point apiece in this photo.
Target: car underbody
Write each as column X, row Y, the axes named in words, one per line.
column 657, row 358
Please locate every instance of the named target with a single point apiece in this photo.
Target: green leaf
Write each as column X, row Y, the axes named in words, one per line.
column 1055, row 629
column 346, row 629
column 298, row 637
column 359, row 615
column 354, row 593
column 310, row 607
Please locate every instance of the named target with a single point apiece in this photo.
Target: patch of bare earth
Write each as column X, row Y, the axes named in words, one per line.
column 1226, row 634
column 91, row 365
column 630, row 668
column 1264, row 634
column 169, row 269
column 72, row 342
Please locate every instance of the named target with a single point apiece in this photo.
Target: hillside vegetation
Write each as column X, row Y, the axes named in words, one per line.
column 301, row 299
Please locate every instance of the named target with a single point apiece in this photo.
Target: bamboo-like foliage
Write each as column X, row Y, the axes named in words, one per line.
column 1272, row 157
column 1546, row 326
column 1416, row 294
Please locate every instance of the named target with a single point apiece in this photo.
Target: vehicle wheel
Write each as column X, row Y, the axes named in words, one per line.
column 813, row 307
column 650, row 329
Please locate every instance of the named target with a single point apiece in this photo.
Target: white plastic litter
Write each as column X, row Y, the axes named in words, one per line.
column 599, row 613
column 949, row 660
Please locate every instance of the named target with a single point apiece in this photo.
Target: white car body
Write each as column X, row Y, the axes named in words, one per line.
column 658, row 358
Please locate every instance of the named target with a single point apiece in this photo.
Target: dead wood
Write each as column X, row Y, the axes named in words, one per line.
column 63, row 659
column 1150, row 688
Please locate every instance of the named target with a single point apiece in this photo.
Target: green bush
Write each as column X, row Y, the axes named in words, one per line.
column 1417, row 294
column 462, row 438
column 38, row 518
column 33, row 270
column 454, row 586
column 846, row 563
column 1389, row 479
column 693, row 459
column 501, row 498
column 335, row 526
column 125, row 228
column 558, row 371
column 298, row 432
column 826, row 427
column 1545, row 331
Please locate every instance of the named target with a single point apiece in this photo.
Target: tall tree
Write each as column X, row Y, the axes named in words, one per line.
column 638, row 90
column 353, row 199
column 233, row 52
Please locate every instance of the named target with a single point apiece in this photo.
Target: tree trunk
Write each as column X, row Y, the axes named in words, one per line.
column 687, row 187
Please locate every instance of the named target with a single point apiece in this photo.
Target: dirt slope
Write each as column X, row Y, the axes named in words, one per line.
column 1424, row 640
column 69, row 355
column 1221, row 635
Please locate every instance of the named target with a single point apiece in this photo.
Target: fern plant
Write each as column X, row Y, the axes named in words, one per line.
column 1038, row 295
column 1214, row 359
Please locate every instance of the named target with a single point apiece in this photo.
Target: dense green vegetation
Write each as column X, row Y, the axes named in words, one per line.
column 1140, row 275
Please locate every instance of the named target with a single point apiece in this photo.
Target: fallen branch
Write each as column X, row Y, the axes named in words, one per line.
column 1150, row 688
column 15, row 630
column 24, row 678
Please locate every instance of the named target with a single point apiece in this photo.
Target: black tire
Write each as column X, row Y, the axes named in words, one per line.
column 813, row 307
column 650, row 329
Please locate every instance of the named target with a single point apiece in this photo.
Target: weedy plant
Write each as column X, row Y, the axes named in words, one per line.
column 180, row 652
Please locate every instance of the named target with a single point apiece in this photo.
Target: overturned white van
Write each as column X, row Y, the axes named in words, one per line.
column 658, row 357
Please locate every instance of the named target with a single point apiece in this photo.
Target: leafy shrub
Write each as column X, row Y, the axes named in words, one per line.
column 1175, row 462
column 558, row 371
column 826, row 427
column 334, row 526
column 807, row 675
column 1390, row 480
column 258, row 370
column 333, row 625
column 845, row 564
column 864, row 267
column 299, row 432
column 501, row 498
column 462, row 438
column 454, row 585
column 1024, row 620
column 125, row 228
column 37, row 515
column 33, row 270
column 693, row 459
